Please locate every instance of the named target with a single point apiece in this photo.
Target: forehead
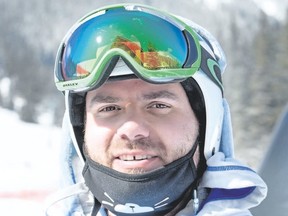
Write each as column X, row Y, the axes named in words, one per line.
column 137, row 88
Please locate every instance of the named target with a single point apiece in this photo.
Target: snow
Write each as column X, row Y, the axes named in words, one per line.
column 5, row 86
column 213, row 5
column 29, row 164
column 273, row 8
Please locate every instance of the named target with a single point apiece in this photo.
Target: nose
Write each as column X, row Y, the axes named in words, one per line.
column 133, row 130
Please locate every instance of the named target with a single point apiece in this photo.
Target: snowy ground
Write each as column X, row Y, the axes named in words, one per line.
column 28, row 163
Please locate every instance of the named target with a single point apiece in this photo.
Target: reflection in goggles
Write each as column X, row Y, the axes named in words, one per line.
column 136, row 36
column 151, row 59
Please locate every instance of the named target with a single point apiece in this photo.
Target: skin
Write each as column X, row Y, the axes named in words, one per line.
column 134, row 127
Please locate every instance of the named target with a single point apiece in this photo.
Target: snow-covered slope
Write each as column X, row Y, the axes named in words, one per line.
column 28, row 163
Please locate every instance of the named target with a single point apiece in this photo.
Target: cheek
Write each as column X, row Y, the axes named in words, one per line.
column 180, row 136
column 179, row 127
column 96, row 138
column 178, row 133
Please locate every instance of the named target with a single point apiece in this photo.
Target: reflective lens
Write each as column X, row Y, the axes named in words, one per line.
column 158, row 49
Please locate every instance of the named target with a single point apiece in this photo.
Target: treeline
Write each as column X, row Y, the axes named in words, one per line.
column 257, row 84
column 26, row 72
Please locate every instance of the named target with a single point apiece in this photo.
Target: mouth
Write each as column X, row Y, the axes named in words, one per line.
column 137, row 161
column 135, row 157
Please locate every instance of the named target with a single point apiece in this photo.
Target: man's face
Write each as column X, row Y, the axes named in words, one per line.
column 134, row 127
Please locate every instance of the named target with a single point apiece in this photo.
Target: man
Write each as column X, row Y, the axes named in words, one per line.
column 147, row 116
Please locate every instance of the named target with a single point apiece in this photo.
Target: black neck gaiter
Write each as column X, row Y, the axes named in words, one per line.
column 150, row 194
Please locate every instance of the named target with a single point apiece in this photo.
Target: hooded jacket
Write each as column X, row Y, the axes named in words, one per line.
column 227, row 186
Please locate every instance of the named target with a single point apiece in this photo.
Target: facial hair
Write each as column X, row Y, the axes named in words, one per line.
column 143, row 144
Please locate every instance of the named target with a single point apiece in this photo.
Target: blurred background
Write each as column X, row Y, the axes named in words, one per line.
column 253, row 34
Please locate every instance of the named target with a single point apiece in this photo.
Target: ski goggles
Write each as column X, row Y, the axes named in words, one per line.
column 158, row 48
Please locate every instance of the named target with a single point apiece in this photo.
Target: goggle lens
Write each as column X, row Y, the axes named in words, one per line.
column 148, row 41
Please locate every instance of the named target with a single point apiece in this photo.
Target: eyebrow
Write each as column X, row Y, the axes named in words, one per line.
column 97, row 99
column 103, row 99
column 159, row 94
